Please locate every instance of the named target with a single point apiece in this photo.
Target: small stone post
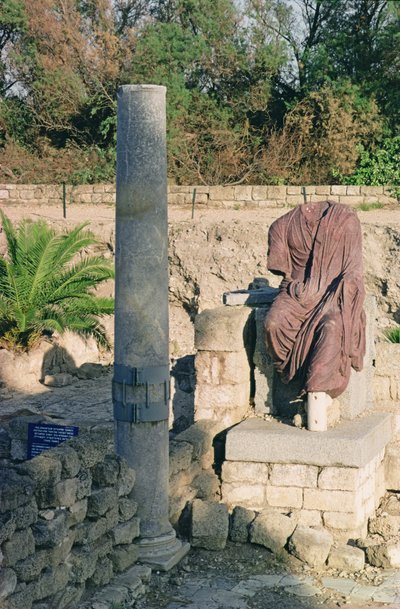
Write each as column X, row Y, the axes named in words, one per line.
column 141, row 368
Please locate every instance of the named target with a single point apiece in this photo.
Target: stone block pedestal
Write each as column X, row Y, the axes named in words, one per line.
column 333, row 478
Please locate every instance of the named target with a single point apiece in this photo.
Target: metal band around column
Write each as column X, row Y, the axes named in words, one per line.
column 136, row 412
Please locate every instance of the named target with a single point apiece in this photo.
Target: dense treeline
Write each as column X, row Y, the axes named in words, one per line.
column 259, row 91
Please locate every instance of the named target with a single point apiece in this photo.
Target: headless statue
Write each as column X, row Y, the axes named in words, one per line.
column 315, row 329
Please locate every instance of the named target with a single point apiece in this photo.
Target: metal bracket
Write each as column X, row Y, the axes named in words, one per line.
column 132, row 412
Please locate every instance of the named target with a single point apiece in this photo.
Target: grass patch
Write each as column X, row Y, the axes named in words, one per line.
column 369, row 206
column 393, row 335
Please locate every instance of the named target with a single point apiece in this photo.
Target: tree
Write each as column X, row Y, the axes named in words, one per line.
column 47, row 285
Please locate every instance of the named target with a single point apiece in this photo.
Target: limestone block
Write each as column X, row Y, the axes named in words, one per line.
column 126, row 508
column 59, row 553
column 82, row 563
column 272, row 530
column 207, row 485
column 220, row 397
column 245, row 495
column 180, row 456
column 309, row 518
column 351, row 199
column 334, row 501
column 210, row 525
column 52, row 581
column 106, row 472
column 340, row 478
column 386, row 525
column 294, row 475
column 264, row 371
column 77, row 512
column 49, row 533
column 29, row 568
column 240, row 524
column 372, row 190
column 222, row 193
column 126, row 532
column 69, row 460
column 19, row 546
column 61, row 379
column 260, row 193
column 8, row 578
column 343, row 520
column 284, row 496
column 311, row 545
column 222, row 367
column 346, row 558
column 387, row 358
column 126, row 478
column 276, row 192
column 101, row 500
column 294, row 190
column 64, row 493
column 385, row 555
column 392, row 466
column 242, row 471
column 201, row 436
column 223, row 329
column 353, row 190
column 338, row 190
column 242, row 193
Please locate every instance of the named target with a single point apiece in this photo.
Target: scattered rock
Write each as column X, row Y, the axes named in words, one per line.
column 89, row 371
column 272, row 530
column 346, row 557
column 240, row 524
column 386, row 555
column 311, row 545
column 58, row 380
column 210, row 525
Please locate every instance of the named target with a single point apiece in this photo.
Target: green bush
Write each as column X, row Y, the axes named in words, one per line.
column 393, row 335
column 47, row 285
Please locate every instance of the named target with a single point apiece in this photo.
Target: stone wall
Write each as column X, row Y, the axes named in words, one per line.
column 235, row 197
column 66, row 523
column 387, row 380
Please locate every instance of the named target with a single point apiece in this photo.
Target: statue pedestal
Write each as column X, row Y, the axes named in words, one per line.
column 333, row 479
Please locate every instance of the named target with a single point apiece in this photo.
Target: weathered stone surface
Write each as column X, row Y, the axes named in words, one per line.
column 21, row 599
column 336, row 501
column 392, row 466
column 7, row 526
column 272, row 530
column 102, row 574
column 84, row 487
column 90, row 370
column 240, row 524
column 49, row 533
column 126, row 509
column 89, row 531
column 64, row 492
column 69, row 597
column 294, row 475
column 69, row 460
column 210, row 525
column 126, row 478
column 123, row 557
column 346, row 558
column 106, row 472
column 349, row 444
column 246, row 495
column 15, row 490
column 385, row 525
column 60, row 552
column 77, row 512
column 345, row 521
column 101, row 547
column 201, row 436
column 339, row 478
column 52, row 581
column 90, row 449
column 126, row 532
column 5, row 444
column 311, row 545
column 385, row 555
column 180, row 456
column 222, row 329
column 284, row 496
column 18, row 547
column 26, row 515
column 238, row 471
column 101, row 500
column 207, row 485
column 222, row 367
column 8, row 582
column 82, row 562
column 29, row 568
column 112, row 517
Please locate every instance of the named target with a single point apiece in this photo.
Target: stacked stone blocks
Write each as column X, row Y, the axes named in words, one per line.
column 67, row 523
column 229, row 197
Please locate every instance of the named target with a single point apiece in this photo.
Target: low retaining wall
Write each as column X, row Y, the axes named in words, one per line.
column 235, row 197
column 66, row 522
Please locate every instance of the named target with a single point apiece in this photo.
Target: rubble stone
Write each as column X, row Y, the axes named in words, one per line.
column 210, row 525
column 240, row 524
column 311, row 546
column 346, row 558
column 272, row 530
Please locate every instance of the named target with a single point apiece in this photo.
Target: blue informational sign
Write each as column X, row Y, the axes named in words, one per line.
column 42, row 436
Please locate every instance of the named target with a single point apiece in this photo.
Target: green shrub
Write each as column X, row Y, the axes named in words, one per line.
column 47, row 284
column 369, row 206
column 393, row 335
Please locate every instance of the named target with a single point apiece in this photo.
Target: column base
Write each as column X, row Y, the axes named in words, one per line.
column 163, row 552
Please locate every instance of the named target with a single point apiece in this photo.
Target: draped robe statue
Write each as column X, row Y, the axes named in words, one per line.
column 315, row 329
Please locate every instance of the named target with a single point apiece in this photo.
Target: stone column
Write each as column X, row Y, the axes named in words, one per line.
column 141, row 369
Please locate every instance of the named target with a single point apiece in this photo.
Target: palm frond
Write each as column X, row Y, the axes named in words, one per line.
column 10, row 236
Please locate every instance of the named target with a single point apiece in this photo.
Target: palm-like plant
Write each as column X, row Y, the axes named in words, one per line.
column 47, row 285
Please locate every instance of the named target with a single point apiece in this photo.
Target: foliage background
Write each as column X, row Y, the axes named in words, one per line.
column 259, row 91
